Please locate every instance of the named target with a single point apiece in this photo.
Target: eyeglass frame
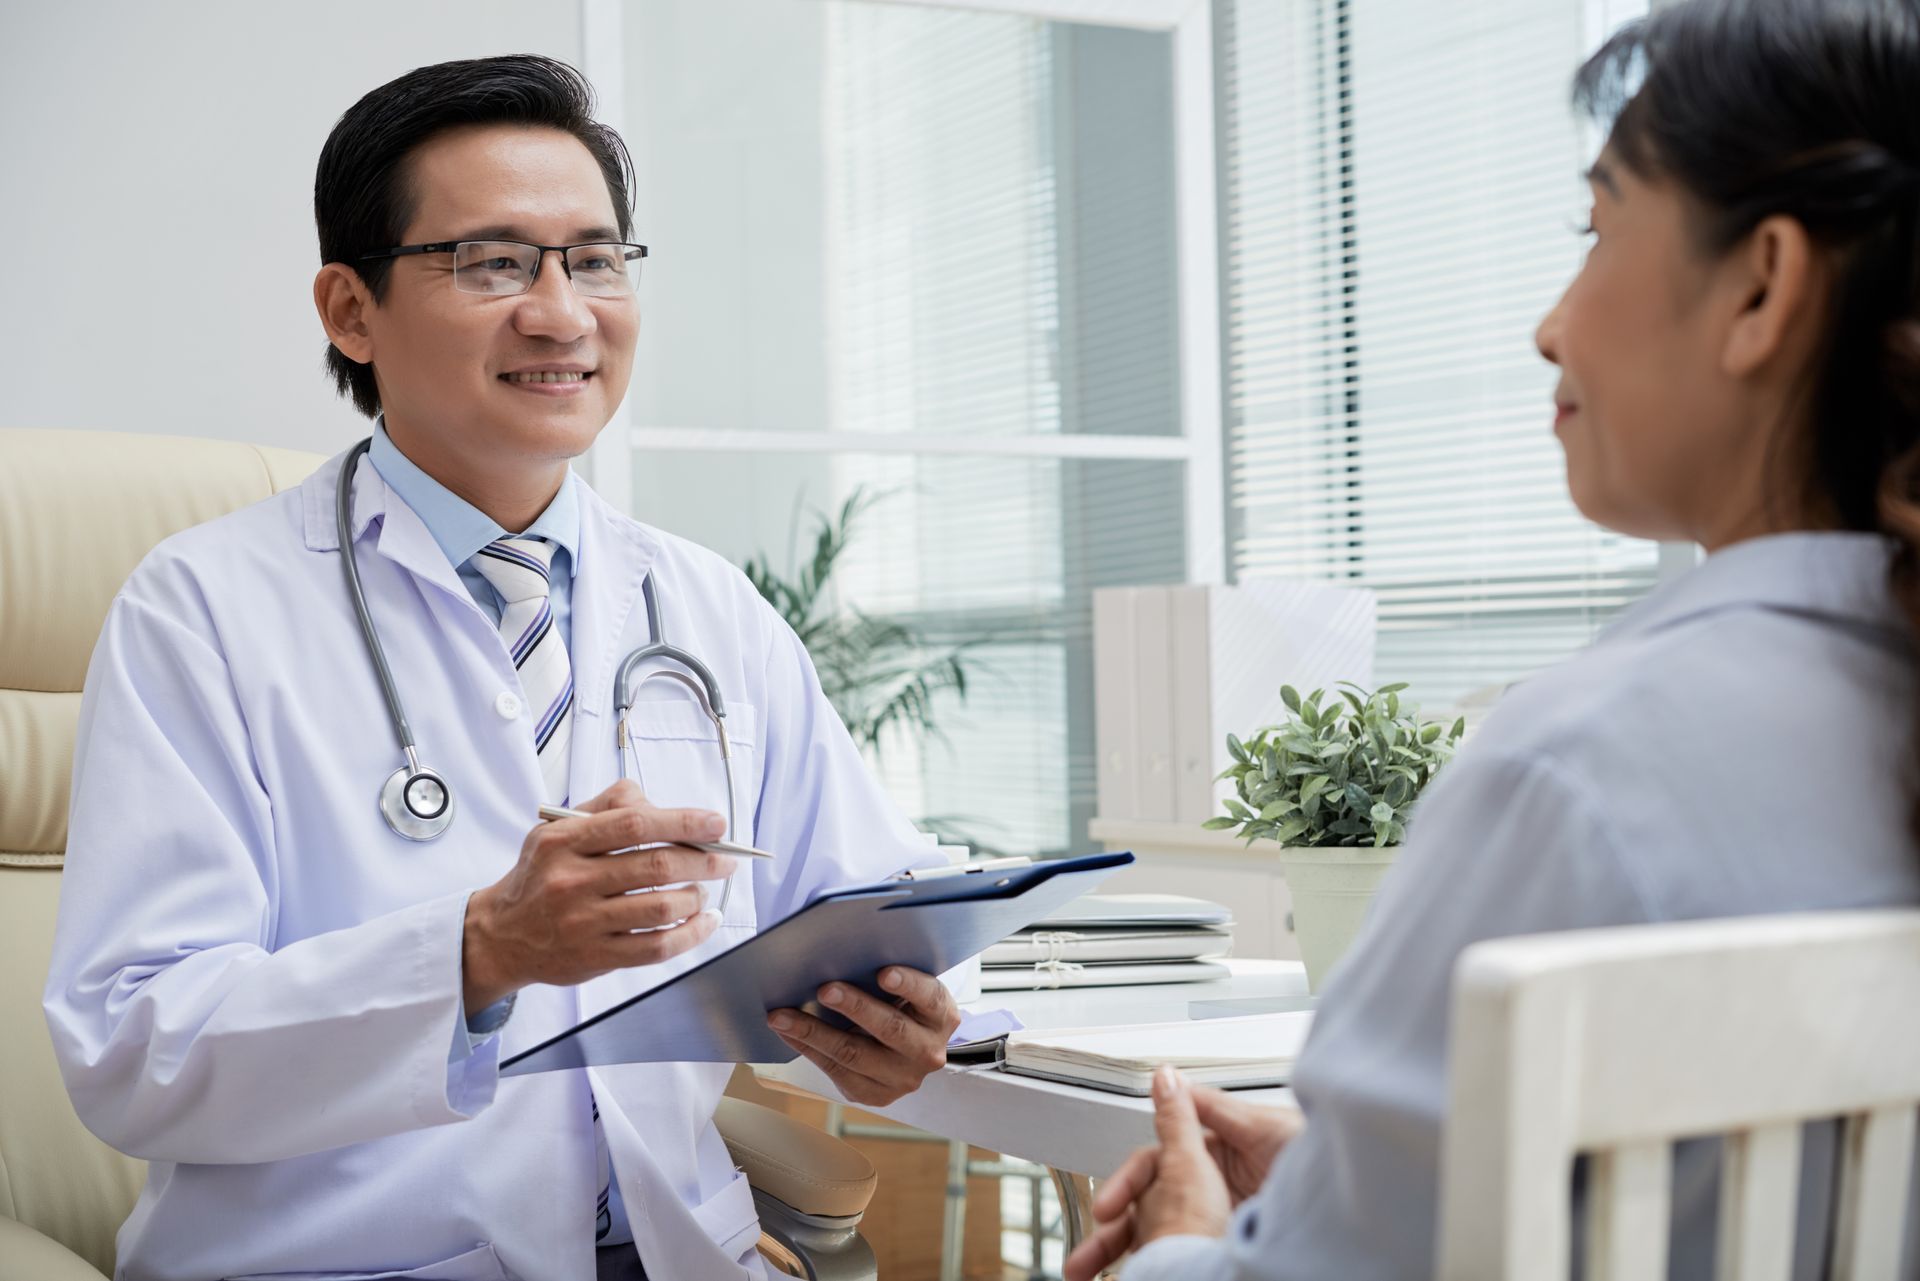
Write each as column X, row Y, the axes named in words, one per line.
column 540, row 259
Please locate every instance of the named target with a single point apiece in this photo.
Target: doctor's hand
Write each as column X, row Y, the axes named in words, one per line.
column 565, row 913
column 893, row 1045
column 1176, row 1189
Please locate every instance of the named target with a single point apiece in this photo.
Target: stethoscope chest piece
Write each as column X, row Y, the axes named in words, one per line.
column 416, row 803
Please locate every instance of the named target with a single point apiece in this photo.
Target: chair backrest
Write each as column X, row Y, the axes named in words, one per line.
column 1615, row 1043
column 78, row 510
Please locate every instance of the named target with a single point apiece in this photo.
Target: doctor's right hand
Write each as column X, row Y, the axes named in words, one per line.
column 566, row 913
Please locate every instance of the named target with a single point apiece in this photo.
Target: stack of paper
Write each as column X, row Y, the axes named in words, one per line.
column 1107, row 940
column 1258, row 1050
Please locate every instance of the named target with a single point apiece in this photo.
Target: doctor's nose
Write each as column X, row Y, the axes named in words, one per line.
column 553, row 308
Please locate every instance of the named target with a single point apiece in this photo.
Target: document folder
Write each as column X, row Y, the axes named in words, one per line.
column 717, row 1011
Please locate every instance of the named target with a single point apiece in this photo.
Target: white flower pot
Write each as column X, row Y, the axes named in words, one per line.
column 1332, row 889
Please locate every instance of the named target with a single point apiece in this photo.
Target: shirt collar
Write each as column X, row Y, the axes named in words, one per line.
column 1836, row 576
column 460, row 528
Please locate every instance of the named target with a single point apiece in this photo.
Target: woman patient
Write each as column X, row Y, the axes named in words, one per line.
column 1739, row 367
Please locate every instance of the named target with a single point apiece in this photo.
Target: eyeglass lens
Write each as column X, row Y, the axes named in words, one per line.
column 505, row 267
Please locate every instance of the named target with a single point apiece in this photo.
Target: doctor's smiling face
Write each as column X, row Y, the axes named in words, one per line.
column 452, row 367
column 491, row 393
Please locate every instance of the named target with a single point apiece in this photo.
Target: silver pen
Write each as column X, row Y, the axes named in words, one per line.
column 550, row 813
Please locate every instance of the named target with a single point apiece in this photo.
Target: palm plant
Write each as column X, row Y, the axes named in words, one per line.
column 878, row 673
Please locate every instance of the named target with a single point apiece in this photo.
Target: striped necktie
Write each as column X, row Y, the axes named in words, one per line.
column 520, row 570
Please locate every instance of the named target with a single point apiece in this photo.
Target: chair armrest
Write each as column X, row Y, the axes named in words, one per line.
column 808, row 1169
column 25, row 1255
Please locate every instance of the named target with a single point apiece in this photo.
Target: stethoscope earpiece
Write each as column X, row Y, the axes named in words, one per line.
column 416, row 801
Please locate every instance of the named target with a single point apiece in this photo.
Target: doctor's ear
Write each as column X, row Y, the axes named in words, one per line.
column 343, row 300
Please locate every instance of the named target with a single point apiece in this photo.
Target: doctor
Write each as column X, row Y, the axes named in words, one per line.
column 294, row 1009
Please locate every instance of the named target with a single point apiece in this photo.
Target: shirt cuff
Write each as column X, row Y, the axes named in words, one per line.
column 470, row 1033
column 1178, row 1258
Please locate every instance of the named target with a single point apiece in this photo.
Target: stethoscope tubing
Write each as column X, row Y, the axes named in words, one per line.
column 396, row 798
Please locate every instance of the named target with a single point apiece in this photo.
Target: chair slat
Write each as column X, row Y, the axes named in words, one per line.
column 1876, row 1161
column 1759, row 1203
column 1629, row 1204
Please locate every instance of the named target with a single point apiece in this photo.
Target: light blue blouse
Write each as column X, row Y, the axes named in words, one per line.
column 1736, row 743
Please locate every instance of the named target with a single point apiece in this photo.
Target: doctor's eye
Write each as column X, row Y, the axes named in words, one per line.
column 491, row 267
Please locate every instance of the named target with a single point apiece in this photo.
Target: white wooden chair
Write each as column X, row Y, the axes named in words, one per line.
column 1615, row 1043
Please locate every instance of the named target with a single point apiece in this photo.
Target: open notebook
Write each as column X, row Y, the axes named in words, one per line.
column 1256, row 1050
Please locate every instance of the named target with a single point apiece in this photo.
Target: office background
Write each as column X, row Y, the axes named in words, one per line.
column 948, row 256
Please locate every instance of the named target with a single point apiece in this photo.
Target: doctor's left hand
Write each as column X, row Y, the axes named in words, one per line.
column 893, row 1045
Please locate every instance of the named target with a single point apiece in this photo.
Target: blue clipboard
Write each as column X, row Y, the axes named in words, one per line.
column 716, row 1012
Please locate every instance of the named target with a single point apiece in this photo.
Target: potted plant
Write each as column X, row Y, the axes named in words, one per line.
column 1332, row 785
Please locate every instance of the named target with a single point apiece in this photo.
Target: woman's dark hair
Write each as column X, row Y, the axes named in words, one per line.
column 362, row 197
column 1808, row 109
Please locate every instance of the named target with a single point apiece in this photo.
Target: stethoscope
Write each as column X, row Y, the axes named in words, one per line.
column 415, row 800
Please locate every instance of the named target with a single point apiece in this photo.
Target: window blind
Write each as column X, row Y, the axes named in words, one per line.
column 1401, row 191
column 953, row 229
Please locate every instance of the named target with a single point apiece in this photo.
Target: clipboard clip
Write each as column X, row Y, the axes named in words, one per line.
column 963, row 869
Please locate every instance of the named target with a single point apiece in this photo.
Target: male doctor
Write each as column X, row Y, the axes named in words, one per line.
column 292, row 1012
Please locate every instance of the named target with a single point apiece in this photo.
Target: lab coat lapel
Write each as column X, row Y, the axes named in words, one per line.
column 403, row 537
column 615, row 555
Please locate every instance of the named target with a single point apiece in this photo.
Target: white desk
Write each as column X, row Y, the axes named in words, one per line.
column 1074, row 1131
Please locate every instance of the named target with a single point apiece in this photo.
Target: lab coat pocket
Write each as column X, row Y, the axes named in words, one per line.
column 676, row 759
column 728, row 1217
column 477, row 1264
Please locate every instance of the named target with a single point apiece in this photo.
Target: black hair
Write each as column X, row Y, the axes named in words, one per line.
column 362, row 198
column 1808, row 109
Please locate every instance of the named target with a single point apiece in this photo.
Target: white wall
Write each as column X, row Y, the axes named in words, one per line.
column 184, row 136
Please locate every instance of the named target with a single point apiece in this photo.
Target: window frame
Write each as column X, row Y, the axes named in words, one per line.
column 1200, row 443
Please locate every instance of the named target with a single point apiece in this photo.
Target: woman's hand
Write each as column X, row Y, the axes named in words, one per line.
column 1175, row 1189
column 1244, row 1138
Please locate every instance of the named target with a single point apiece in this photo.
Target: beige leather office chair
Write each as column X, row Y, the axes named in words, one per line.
column 78, row 510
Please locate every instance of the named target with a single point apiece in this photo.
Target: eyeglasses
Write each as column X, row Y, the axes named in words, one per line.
column 604, row 269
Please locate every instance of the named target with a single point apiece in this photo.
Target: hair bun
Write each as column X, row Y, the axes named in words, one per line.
column 1902, row 362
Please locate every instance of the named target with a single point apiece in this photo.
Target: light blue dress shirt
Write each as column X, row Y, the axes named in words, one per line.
column 1735, row 744
column 461, row 530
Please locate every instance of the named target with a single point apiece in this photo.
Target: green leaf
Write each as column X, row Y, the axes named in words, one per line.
column 1238, row 810
column 1237, row 748
column 1310, row 715
column 1290, row 830
column 1395, row 688
column 1359, row 708
column 1220, row 824
column 1381, row 812
column 1357, row 798
column 1313, row 787
column 1393, row 703
column 1459, row 728
column 1430, row 732
column 1291, row 697
column 1277, row 810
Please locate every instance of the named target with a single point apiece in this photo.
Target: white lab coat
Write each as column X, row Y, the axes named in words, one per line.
column 255, row 984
